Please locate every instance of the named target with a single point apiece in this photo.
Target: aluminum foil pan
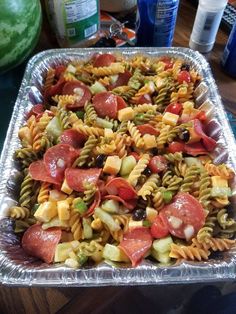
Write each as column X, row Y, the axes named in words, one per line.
column 16, row 268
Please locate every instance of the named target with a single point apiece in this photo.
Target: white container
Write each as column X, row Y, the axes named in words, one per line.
column 206, row 24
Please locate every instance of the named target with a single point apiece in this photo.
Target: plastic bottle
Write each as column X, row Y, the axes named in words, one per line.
column 229, row 55
column 157, row 22
column 206, row 24
column 75, row 22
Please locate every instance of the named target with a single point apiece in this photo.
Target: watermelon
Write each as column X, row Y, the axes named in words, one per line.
column 20, row 25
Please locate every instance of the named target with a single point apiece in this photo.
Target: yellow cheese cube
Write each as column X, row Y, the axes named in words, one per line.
column 108, row 133
column 219, row 181
column 149, row 141
column 160, row 82
column 63, row 208
column 170, row 118
column 126, row 114
column 112, row 165
column 46, row 211
column 65, row 188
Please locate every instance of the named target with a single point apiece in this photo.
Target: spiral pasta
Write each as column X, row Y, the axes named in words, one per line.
column 188, row 252
column 136, row 135
column 138, row 169
column 191, row 175
column 86, row 151
column 114, row 68
column 149, row 186
column 18, row 212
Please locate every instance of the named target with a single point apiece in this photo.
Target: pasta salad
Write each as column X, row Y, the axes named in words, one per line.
column 117, row 166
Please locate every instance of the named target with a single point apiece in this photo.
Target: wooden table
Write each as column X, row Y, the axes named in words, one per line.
column 121, row 299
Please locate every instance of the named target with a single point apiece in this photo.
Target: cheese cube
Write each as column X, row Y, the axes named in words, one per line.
column 46, row 211
column 63, row 208
column 160, row 82
column 55, row 196
column 170, row 118
column 149, row 141
column 108, row 133
column 71, row 69
column 126, row 114
column 219, row 181
column 112, row 165
column 65, row 188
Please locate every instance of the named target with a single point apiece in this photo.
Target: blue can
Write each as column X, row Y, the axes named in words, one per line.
column 157, row 22
column 229, row 55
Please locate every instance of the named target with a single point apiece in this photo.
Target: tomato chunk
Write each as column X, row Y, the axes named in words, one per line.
column 157, row 164
column 184, row 216
column 175, row 147
column 120, row 187
column 159, row 228
column 174, row 108
column 184, row 76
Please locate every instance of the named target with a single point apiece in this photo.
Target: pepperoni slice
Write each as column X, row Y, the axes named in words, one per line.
column 57, row 159
column 103, row 60
column 35, row 110
column 59, row 70
column 105, row 104
column 73, row 138
column 195, row 149
column 76, row 177
column 147, row 129
column 130, row 204
column 208, row 142
column 55, row 89
column 41, row 243
column 135, row 244
column 81, row 90
column 189, row 214
column 122, row 80
column 117, row 186
column 38, row 172
column 121, row 104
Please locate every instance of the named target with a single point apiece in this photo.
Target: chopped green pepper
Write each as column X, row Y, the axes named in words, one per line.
column 80, row 114
column 81, row 207
column 167, row 196
column 146, row 223
column 82, row 259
